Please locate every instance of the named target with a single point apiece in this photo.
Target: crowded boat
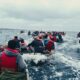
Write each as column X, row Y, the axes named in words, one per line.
column 16, row 53
column 36, row 51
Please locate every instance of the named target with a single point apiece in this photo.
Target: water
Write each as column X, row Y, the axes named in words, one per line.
column 63, row 65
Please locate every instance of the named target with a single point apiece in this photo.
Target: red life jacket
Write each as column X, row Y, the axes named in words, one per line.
column 49, row 45
column 8, row 62
column 53, row 38
column 50, row 36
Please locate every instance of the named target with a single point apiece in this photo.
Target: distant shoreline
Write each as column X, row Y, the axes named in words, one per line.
column 34, row 30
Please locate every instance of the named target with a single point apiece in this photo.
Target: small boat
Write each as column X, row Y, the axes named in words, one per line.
column 36, row 59
column 10, row 75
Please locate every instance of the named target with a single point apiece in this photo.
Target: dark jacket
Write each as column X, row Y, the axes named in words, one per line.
column 37, row 45
column 17, row 43
column 59, row 39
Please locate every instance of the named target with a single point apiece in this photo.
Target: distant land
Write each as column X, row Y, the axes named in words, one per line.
column 34, row 30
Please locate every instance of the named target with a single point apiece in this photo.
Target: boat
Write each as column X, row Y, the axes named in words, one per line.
column 10, row 75
column 37, row 59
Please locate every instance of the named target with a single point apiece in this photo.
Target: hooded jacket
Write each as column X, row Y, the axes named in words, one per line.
column 12, row 60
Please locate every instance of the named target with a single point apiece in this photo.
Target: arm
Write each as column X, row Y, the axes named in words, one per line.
column 21, row 63
column 31, row 44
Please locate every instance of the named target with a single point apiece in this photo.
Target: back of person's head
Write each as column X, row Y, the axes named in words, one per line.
column 15, row 37
column 12, row 44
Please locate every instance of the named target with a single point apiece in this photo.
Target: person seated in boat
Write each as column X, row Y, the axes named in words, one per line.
column 54, row 38
column 23, row 45
column 45, row 39
column 35, row 32
column 51, row 36
column 37, row 44
column 11, row 59
column 59, row 38
column 17, row 42
column 49, row 44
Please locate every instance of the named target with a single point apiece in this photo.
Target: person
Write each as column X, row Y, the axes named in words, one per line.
column 50, row 45
column 29, row 33
column 36, row 32
column 22, row 31
column 11, row 59
column 17, row 42
column 37, row 44
column 23, row 45
column 59, row 38
column 50, row 39
column 54, row 38
column 45, row 39
column 78, row 35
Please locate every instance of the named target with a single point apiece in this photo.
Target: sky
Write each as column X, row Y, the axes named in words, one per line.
column 60, row 15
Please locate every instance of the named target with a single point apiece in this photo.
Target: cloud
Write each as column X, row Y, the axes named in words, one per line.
column 62, row 14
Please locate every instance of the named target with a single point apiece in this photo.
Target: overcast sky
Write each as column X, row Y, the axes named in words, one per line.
column 40, row 14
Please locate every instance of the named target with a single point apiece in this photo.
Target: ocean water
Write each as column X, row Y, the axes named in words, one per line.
column 64, row 64
column 7, row 34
